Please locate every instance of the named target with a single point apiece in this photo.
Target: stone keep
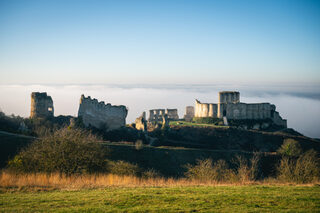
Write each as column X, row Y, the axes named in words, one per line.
column 101, row 115
column 229, row 106
column 41, row 105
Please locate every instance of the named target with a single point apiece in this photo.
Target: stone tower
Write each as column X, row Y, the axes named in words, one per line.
column 41, row 105
column 227, row 97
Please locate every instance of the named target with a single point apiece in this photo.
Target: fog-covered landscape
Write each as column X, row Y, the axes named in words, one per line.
column 300, row 105
column 159, row 106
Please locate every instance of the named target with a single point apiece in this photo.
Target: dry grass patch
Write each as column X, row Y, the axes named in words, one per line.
column 59, row 181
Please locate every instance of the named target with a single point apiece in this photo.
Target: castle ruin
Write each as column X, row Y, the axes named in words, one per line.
column 156, row 115
column 41, row 105
column 230, row 107
column 189, row 113
column 101, row 115
column 141, row 122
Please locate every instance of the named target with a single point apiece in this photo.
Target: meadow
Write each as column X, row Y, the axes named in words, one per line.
column 112, row 193
column 252, row 198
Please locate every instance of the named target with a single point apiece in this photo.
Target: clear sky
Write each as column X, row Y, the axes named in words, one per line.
column 101, row 42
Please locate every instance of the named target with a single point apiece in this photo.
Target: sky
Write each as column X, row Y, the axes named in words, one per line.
column 162, row 54
column 159, row 42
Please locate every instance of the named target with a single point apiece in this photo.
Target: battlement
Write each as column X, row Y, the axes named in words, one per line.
column 100, row 105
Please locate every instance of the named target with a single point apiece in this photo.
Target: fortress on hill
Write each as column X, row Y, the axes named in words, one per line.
column 230, row 107
column 109, row 117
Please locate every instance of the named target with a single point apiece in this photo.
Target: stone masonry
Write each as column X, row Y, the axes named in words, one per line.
column 189, row 113
column 41, row 105
column 101, row 115
column 229, row 106
column 156, row 115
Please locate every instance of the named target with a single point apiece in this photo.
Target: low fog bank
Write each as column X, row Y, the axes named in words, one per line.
column 299, row 104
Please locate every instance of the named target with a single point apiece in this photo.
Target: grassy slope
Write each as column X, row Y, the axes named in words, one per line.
column 186, row 199
column 168, row 161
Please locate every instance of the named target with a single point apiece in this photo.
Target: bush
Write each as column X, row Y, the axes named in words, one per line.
column 304, row 169
column 124, row 168
column 290, row 148
column 247, row 170
column 68, row 151
column 151, row 173
column 205, row 170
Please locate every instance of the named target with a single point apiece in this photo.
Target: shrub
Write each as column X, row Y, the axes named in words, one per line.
column 205, row 170
column 290, row 148
column 124, row 168
column 68, row 151
column 151, row 173
column 304, row 169
column 247, row 170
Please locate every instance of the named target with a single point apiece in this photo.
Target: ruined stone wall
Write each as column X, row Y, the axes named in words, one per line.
column 229, row 106
column 156, row 115
column 101, row 115
column 205, row 109
column 189, row 113
column 251, row 111
column 41, row 105
column 172, row 114
column 245, row 111
column 141, row 122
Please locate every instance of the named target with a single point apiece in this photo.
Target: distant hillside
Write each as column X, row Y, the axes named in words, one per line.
column 230, row 138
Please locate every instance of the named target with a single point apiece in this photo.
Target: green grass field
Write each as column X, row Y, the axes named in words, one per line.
column 163, row 199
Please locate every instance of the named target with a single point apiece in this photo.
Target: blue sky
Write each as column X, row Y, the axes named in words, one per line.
column 103, row 42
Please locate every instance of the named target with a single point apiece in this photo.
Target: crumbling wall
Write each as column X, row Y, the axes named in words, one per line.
column 101, row 115
column 205, row 110
column 172, row 114
column 189, row 113
column 245, row 111
column 156, row 115
column 141, row 122
column 41, row 105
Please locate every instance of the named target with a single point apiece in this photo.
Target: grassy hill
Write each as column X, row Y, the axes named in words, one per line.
column 168, row 161
column 183, row 144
